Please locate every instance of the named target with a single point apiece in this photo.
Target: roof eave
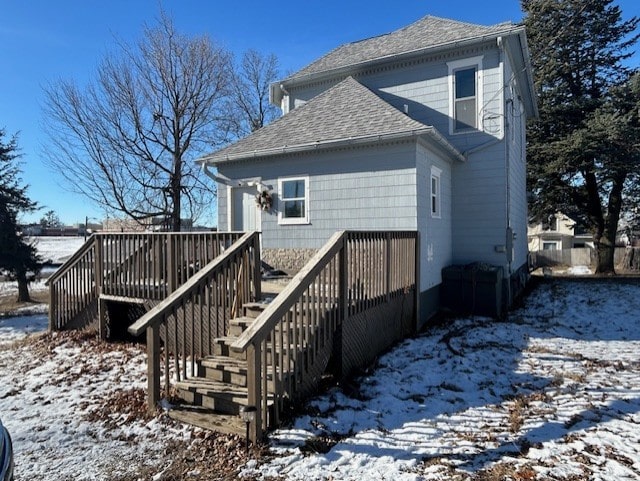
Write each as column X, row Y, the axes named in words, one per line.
column 518, row 52
column 430, row 132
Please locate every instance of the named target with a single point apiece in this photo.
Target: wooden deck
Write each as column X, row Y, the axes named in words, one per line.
column 223, row 338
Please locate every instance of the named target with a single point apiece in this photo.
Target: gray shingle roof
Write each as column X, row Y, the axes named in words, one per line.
column 349, row 110
column 427, row 32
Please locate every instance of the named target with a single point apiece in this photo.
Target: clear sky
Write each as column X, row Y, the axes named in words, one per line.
column 43, row 40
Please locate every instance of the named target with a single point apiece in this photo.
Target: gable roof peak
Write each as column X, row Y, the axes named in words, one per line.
column 425, row 33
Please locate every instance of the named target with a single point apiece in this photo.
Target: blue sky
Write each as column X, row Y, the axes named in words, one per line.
column 43, row 40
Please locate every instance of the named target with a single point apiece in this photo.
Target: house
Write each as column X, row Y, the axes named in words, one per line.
column 560, row 232
column 419, row 129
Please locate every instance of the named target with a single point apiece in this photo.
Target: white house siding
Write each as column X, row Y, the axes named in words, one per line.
column 223, row 222
column 436, row 250
column 516, row 145
column 478, row 186
column 422, row 85
column 357, row 188
column 479, row 208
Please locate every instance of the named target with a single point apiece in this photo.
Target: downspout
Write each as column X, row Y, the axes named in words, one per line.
column 507, row 167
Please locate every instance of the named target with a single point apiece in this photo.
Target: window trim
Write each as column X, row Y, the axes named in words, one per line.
column 436, row 174
column 282, row 220
column 454, row 67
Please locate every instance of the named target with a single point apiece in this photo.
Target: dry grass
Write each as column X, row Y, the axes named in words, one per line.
column 9, row 305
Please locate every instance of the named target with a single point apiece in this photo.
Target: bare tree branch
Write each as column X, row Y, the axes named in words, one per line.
column 127, row 141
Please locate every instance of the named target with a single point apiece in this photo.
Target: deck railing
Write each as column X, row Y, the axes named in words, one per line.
column 73, row 293
column 128, row 265
column 289, row 345
column 197, row 312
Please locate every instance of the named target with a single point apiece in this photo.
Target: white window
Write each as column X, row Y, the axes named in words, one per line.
column 549, row 246
column 465, row 95
column 293, row 200
column 435, row 192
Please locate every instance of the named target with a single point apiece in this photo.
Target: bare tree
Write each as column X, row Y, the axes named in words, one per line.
column 249, row 100
column 128, row 140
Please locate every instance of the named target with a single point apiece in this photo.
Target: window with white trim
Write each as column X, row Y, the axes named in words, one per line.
column 293, row 200
column 435, row 192
column 465, row 95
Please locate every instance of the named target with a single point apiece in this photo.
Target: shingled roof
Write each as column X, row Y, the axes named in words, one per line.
column 349, row 111
column 427, row 32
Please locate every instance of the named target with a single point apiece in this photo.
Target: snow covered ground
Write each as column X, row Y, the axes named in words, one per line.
column 56, row 250
column 553, row 393
column 53, row 250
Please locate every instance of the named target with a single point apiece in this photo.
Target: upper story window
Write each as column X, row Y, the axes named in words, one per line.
column 465, row 94
column 435, row 192
column 294, row 200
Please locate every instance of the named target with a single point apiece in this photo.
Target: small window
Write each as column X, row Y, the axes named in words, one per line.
column 293, row 203
column 553, row 223
column 549, row 246
column 435, row 192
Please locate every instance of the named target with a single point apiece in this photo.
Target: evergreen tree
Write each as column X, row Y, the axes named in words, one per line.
column 578, row 48
column 17, row 257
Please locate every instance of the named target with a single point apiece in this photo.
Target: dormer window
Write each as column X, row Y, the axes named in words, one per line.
column 465, row 94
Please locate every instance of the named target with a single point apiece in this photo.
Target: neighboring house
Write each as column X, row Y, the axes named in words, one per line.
column 419, row 129
column 560, row 232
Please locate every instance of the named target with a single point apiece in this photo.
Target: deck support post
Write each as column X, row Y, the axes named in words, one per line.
column 343, row 305
column 102, row 319
column 153, row 367
column 53, row 307
column 254, row 388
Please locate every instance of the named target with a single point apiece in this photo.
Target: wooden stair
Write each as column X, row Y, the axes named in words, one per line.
column 217, row 394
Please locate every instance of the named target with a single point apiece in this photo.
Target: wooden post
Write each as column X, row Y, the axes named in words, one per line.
column 417, row 281
column 388, row 240
column 102, row 319
column 53, row 306
column 343, row 304
column 153, row 367
column 98, row 263
column 171, row 264
column 254, row 389
column 257, row 273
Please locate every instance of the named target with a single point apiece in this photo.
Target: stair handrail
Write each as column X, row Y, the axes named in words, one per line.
column 266, row 321
column 154, row 316
column 72, row 261
column 153, row 321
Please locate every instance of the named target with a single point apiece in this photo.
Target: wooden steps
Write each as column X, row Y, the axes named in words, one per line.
column 217, row 394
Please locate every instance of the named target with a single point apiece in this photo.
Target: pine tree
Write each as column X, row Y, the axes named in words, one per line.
column 17, row 257
column 578, row 48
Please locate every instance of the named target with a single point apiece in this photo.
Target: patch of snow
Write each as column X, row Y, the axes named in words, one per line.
column 46, row 401
column 57, row 250
column 16, row 328
column 579, row 271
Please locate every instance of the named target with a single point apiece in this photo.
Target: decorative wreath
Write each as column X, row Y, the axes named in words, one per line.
column 264, row 200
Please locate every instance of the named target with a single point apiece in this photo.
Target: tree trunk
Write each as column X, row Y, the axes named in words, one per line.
column 605, row 250
column 23, row 287
column 631, row 261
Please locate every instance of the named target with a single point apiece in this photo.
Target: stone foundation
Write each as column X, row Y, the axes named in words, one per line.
column 288, row 260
